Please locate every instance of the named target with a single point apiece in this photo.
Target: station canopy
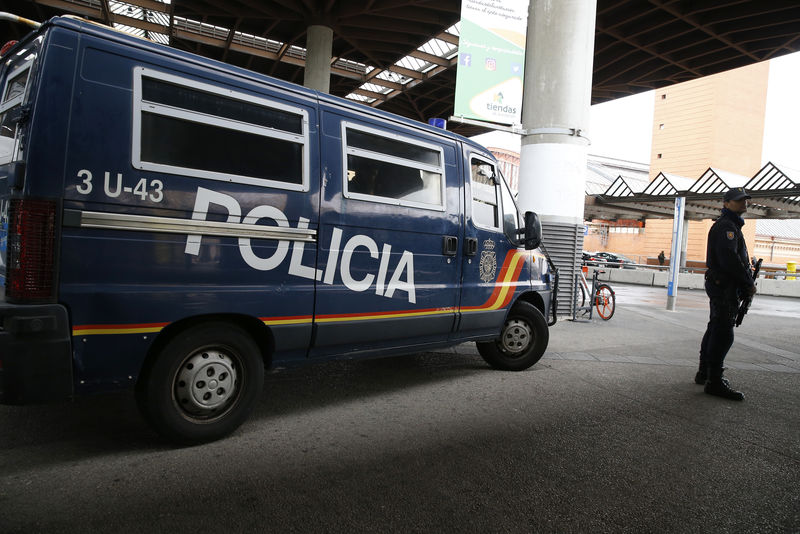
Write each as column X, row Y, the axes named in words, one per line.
column 401, row 55
column 775, row 192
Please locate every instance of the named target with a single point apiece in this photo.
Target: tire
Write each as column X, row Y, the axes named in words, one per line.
column 605, row 301
column 202, row 384
column 522, row 341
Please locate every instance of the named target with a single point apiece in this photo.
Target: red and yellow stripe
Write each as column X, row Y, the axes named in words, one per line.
column 94, row 329
column 99, row 329
column 382, row 315
column 297, row 319
column 500, row 298
column 505, row 284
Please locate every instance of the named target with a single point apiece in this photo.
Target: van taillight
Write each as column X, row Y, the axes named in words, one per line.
column 31, row 250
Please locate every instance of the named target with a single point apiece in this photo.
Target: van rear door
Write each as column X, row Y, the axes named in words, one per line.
column 3, row 243
column 390, row 235
column 15, row 93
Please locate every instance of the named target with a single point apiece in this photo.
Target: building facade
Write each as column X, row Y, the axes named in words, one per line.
column 715, row 121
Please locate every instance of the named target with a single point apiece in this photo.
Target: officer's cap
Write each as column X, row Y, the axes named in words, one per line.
column 736, row 193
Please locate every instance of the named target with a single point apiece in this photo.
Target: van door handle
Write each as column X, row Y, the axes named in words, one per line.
column 471, row 246
column 450, row 245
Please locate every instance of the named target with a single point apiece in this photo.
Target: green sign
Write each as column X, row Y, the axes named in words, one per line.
column 491, row 59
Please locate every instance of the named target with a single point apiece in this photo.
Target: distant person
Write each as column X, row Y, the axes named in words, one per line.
column 661, row 258
column 728, row 279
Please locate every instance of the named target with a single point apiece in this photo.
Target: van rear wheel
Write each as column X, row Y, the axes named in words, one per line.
column 202, row 384
column 522, row 340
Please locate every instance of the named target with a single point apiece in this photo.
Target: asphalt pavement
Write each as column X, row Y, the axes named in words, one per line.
column 607, row 433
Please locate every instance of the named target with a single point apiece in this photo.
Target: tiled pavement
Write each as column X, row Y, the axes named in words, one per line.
column 643, row 332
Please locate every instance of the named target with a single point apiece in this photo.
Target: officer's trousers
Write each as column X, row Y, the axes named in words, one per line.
column 724, row 305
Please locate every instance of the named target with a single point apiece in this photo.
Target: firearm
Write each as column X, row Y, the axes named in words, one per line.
column 745, row 305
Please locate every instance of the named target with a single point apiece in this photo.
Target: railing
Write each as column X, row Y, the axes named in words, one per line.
column 206, row 30
column 258, row 43
column 616, row 265
column 777, row 275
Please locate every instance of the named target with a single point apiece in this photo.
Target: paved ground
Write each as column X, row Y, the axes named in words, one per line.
column 608, row 433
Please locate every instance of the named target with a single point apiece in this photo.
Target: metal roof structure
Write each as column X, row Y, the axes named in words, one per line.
column 775, row 192
column 602, row 171
column 401, row 55
column 779, row 229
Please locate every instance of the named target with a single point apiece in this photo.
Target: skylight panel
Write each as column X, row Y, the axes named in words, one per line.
column 360, row 98
column 371, row 87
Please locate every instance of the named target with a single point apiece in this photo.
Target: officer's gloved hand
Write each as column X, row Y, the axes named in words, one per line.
column 751, row 291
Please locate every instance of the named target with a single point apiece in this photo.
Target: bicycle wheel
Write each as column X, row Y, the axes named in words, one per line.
column 604, row 301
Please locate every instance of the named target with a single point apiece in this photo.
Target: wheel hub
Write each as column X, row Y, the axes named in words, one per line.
column 516, row 336
column 205, row 382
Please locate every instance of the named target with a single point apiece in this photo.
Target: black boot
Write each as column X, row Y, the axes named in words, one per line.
column 701, row 377
column 720, row 387
column 702, row 374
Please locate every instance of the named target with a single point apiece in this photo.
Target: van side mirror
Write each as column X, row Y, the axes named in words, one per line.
column 533, row 231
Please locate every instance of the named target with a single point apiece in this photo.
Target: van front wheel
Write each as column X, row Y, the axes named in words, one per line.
column 203, row 383
column 522, row 340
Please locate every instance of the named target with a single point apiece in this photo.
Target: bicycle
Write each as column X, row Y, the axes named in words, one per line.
column 603, row 299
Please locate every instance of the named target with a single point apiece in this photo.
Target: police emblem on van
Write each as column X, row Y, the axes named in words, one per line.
column 488, row 265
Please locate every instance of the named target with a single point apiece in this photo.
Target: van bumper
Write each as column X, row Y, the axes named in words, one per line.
column 35, row 353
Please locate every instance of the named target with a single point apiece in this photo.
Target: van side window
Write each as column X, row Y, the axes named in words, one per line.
column 485, row 201
column 16, row 86
column 189, row 128
column 393, row 169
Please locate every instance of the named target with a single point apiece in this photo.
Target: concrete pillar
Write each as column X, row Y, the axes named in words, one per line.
column 319, row 43
column 555, row 117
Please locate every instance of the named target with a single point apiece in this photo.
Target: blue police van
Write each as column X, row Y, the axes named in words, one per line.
column 174, row 225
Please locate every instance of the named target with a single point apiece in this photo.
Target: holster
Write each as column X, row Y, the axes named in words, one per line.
column 710, row 277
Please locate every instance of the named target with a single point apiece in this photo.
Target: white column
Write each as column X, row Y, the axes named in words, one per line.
column 555, row 115
column 319, row 43
column 555, row 109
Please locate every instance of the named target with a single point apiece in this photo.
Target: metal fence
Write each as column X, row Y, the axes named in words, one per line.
column 777, row 275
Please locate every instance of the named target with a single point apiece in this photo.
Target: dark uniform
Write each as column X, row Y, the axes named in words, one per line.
column 728, row 279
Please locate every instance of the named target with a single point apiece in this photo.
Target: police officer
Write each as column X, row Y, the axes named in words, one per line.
column 729, row 278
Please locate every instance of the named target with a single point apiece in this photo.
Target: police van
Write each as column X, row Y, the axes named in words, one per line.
column 174, row 225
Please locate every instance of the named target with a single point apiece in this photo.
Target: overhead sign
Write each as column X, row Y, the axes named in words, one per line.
column 491, row 58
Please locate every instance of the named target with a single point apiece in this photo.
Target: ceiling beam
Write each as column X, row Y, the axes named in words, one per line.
column 703, row 28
